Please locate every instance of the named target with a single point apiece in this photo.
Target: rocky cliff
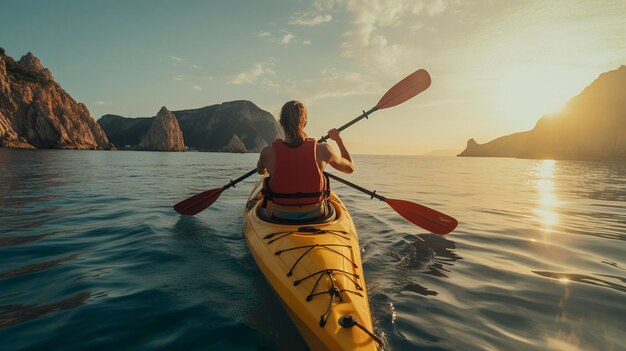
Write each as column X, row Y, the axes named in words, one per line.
column 210, row 128
column 592, row 126
column 36, row 112
column 164, row 134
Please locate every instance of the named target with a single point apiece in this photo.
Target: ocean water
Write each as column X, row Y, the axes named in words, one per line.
column 92, row 256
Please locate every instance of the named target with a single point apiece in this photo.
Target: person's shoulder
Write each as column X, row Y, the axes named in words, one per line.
column 324, row 146
column 325, row 150
column 266, row 151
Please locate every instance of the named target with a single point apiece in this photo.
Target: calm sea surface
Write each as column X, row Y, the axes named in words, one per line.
column 92, row 256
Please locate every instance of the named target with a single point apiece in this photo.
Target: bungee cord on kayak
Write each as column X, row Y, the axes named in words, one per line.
column 319, row 274
column 329, row 272
column 310, row 248
column 334, row 291
column 307, row 230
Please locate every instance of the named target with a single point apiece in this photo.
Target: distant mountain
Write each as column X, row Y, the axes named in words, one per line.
column 212, row 128
column 35, row 112
column 592, row 126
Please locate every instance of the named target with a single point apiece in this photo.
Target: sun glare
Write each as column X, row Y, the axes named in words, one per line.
column 546, row 169
column 547, row 201
column 525, row 94
column 533, row 69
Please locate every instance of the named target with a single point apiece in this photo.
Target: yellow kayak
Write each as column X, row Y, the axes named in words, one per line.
column 316, row 271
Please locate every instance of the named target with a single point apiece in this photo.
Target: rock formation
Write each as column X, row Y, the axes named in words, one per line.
column 209, row 128
column 592, row 126
column 235, row 145
column 36, row 112
column 164, row 134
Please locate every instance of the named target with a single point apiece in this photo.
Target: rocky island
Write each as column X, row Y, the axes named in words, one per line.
column 35, row 112
column 235, row 126
column 164, row 134
column 592, row 126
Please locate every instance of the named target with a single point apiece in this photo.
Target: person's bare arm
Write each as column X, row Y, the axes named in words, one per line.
column 343, row 161
column 261, row 165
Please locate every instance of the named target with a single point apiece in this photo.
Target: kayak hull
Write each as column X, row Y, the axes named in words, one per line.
column 316, row 271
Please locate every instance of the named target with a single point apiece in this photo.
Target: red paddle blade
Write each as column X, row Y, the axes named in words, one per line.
column 198, row 202
column 427, row 218
column 405, row 89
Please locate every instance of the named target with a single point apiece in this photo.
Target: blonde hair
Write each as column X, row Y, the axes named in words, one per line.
column 293, row 118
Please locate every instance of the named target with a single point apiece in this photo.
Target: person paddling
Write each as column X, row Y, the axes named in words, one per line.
column 296, row 188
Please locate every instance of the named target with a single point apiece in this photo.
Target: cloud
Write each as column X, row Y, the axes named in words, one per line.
column 99, row 103
column 338, row 83
column 436, row 8
column 250, row 76
column 287, row 38
column 331, row 83
column 268, row 83
column 177, row 77
column 181, row 63
column 310, row 20
column 375, row 36
column 325, row 5
column 196, row 87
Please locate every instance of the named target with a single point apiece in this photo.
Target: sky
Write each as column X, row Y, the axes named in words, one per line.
column 496, row 66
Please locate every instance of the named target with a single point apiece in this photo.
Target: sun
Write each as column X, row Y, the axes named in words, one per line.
column 524, row 94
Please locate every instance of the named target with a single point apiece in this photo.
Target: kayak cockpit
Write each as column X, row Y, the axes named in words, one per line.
column 255, row 202
column 329, row 217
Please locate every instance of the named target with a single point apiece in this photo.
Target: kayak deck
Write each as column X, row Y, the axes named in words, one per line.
column 316, row 271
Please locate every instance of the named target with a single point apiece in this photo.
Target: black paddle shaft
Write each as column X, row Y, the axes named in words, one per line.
column 364, row 115
column 233, row 182
column 359, row 188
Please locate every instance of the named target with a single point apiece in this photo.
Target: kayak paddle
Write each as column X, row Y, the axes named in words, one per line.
column 404, row 90
column 202, row 201
column 420, row 215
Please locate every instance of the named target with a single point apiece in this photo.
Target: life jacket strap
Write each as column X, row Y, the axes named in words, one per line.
column 268, row 194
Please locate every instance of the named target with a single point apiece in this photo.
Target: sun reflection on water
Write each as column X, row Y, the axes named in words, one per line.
column 547, row 202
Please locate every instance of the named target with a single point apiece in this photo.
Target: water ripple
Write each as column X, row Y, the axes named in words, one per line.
column 13, row 314
column 93, row 257
column 585, row 279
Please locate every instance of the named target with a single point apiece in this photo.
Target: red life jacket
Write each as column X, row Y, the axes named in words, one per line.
column 297, row 179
